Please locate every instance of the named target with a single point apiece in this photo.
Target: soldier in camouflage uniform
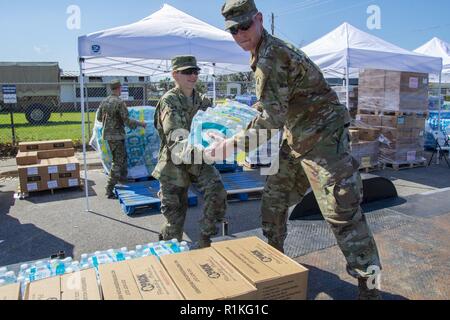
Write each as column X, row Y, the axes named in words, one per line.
column 175, row 111
column 315, row 149
column 113, row 114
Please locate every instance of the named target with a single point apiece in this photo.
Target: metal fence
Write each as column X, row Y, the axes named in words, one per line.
column 52, row 111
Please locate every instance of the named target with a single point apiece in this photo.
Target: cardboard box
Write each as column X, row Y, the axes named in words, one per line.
column 80, row 286
column 48, row 289
column 372, row 120
column 369, row 134
column 27, row 158
column 153, row 281
column 56, row 153
column 65, row 175
column 45, row 145
column 383, row 90
column 10, row 292
column 33, row 178
column 69, row 183
column 276, row 276
column 117, row 282
column 205, row 275
column 61, row 165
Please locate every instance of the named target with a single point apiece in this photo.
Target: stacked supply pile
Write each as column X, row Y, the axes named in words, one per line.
column 142, row 145
column 396, row 103
column 365, row 145
column 243, row 269
column 47, row 165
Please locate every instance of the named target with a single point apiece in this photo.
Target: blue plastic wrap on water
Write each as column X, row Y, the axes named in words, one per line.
column 226, row 120
column 142, row 145
column 433, row 125
column 249, row 100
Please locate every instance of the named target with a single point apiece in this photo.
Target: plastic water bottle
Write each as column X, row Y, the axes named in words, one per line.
column 40, row 271
column 139, row 251
column 74, row 266
column 184, row 247
column 99, row 258
column 121, row 255
column 8, row 277
column 161, row 249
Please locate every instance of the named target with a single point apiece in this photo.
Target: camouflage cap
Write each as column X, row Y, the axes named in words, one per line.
column 115, row 84
column 237, row 12
column 181, row 63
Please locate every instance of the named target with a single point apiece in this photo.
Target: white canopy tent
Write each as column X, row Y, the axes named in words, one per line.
column 347, row 49
column 441, row 49
column 146, row 47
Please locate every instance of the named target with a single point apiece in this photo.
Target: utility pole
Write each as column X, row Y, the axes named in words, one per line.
column 273, row 24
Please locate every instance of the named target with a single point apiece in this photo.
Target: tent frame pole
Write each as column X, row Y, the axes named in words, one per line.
column 214, row 84
column 347, row 84
column 83, row 133
column 439, row 115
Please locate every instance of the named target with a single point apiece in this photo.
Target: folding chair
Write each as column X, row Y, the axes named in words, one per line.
column 442, row 145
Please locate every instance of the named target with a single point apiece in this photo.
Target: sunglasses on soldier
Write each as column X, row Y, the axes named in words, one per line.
column 190, row 72
column 243, row 27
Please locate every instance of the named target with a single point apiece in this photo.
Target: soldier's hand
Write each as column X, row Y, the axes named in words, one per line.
column 220, row 150
column 143, row 124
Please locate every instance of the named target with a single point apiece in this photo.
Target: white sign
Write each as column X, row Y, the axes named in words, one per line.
column 32, row 171
column 125, row 94
column 9, row 94
column 32, row 187
column 52, row 184
column 411, row 156
column 414, row 83
column 71, row 167
column 73, row 183
column 52, row 169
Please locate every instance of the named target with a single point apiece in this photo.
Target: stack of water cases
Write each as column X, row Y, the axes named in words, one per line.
column 142, row 145
column 225, row 120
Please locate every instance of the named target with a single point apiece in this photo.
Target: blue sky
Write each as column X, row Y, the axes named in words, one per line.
column 36, row 30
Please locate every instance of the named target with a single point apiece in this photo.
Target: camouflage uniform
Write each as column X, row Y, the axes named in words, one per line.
column 176, row 111
column 113, row 113
column 315, row 150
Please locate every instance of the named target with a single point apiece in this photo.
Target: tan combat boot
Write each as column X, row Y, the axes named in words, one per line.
column 277, row 245
column 367, row 294
column 204, row 242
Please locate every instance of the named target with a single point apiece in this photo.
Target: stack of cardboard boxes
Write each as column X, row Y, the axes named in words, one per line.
column 395, row 104
column 244, row 269
column 47, row 165
column 365, row 145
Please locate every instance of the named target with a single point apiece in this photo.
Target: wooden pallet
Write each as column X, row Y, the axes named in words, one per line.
column 25, row 195
column 255, row 166
column 397, row 166
column 377, row 167
column 423, row 114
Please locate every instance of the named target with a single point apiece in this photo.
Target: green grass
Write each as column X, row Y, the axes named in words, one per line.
column 60, row 126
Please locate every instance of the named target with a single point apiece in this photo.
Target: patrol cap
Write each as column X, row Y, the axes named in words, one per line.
column 115, row 84
column 182, row 63
column 237, row 12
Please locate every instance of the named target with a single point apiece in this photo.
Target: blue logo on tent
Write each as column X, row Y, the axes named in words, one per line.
column 96, row 49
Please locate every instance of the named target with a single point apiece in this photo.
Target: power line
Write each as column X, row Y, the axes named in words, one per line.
column 297, row 6
column 305, row 7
